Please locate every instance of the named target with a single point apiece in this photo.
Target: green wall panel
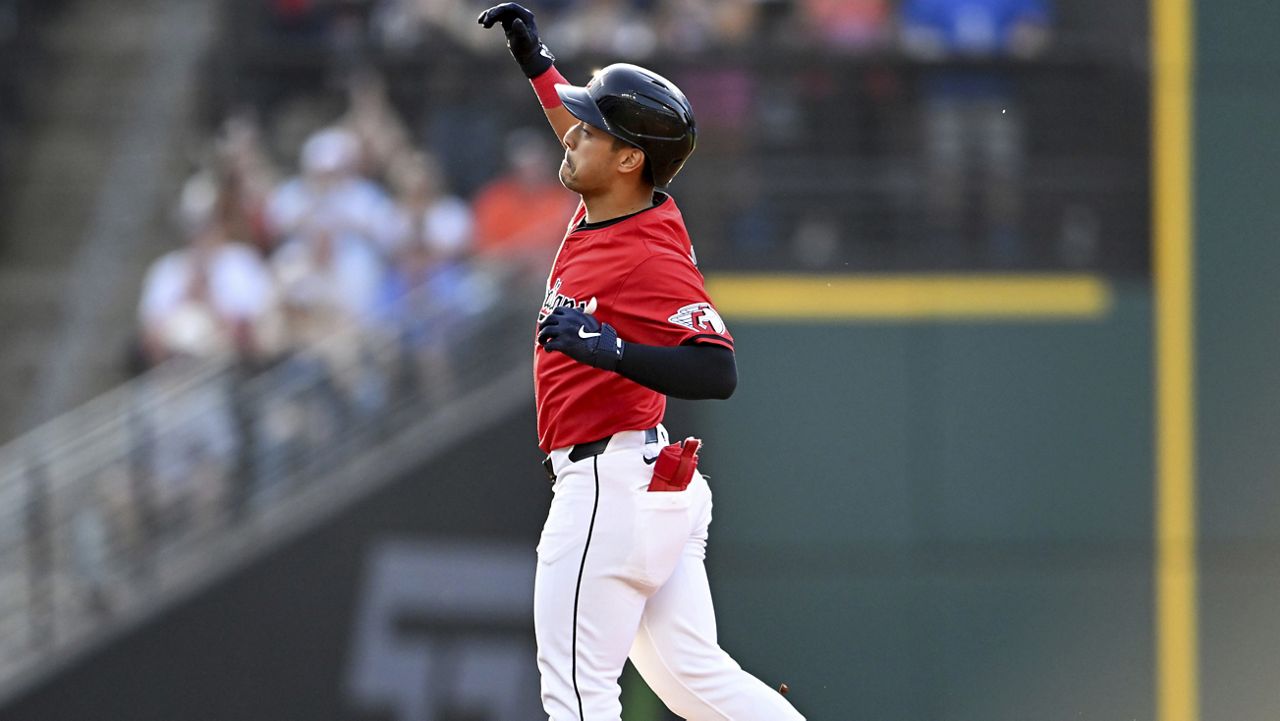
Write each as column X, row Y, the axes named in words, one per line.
column 940, row 521
column 1237, row 186
column 1043, row 433
column 818, row 445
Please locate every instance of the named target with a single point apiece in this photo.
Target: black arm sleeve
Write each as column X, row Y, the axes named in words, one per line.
column 692, row 372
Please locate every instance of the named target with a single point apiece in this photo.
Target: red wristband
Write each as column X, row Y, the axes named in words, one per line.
column 545, row 86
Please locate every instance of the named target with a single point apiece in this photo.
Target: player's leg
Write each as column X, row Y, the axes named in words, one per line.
column 585, row 611
column 677, row 652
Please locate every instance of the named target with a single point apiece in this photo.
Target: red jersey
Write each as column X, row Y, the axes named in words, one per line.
column 641, row 270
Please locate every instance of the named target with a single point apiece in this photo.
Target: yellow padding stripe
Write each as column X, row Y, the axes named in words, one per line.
column 1177, row 625
column 907, row 297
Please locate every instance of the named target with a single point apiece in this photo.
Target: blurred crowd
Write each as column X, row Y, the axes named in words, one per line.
column 639, row 29
column 626, row 29
column 343, row 285
column 959, row 191
column 363, row 234
column 280, row 252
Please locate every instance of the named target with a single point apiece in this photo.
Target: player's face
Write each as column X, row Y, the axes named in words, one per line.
column 590, row 160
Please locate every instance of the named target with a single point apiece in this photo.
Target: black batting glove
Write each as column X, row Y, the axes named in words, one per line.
column 582, row 337
column 522, row 37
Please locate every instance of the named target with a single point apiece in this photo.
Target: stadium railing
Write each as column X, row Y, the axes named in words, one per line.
column 146, row 493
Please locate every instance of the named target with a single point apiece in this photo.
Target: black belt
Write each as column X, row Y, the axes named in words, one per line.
column 583, row 451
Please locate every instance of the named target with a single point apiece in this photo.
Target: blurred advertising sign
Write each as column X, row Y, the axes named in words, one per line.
column 442, row 631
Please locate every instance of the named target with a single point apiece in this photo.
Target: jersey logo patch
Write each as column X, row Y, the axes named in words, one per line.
column 699, row 316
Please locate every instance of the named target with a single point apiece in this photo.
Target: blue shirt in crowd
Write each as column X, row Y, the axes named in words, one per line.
column 974, row 26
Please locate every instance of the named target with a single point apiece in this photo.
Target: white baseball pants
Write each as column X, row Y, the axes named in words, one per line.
column 620, row 573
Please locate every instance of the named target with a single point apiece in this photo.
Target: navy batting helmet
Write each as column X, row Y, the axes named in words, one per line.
column 639, row 107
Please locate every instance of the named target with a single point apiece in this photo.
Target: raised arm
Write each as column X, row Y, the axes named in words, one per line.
column 560, row 120
column 535, row 60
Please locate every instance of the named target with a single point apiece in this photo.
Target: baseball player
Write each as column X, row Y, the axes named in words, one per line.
column 625, row 323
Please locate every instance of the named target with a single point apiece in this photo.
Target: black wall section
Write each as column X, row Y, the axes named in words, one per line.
column 277, row 640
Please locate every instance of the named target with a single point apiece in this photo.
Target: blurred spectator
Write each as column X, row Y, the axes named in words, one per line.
column 349, row 31
column 427, row 214
column 430, row 289
column 685, row 26
column 399, row 25
column 521, row 216
column 616, row 29
column 329, row 280
column 639, row 29
column 851, row 25
column 375, row 123
column 734, row 22
column 976, row 28
column 214, row 297
column 246, row 177
column 330, row 185
column 298, row 18
column 972, row 122
column 338, row 25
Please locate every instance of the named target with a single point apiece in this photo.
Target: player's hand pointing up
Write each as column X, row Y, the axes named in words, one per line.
column 522, row 37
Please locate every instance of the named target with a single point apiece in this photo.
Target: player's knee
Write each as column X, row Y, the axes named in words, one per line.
column 706, row 669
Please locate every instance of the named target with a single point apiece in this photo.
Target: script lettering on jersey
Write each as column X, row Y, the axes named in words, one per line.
column 555, row 299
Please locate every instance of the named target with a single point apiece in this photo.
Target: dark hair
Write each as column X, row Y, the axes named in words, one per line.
column 647, row 172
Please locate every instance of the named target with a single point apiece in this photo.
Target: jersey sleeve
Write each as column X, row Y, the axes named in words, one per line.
column 664, row 302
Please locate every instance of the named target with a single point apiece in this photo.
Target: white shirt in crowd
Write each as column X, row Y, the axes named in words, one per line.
column 447, row 225
column 240, row 286
column 353, row 204
column 346, row 276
